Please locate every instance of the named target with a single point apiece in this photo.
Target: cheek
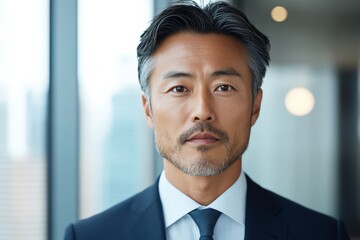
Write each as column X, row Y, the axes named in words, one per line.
column 166, row 124
column 236, row 122
column 169, row 114
column 235, row 113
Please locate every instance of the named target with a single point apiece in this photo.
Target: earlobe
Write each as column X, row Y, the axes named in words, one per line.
column 147, row 110
column 256, row 107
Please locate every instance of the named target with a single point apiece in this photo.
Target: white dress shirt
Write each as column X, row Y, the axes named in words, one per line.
column 179, row 225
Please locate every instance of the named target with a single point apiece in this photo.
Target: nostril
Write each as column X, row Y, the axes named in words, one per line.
column 203, row 119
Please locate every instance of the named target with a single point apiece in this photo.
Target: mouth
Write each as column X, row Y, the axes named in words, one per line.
column 203, row 139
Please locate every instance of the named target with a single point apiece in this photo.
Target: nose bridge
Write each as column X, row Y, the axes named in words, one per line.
column 203, row 105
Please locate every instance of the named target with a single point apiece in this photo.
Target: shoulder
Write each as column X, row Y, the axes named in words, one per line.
column 265, row 199
column 112, row 222
column 298, row 219
column 294, row 213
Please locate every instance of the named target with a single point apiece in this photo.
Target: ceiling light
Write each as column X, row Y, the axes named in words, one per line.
column 299, row 101
column 279, row 14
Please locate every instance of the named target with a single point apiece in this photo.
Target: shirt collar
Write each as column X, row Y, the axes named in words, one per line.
column 176, row 204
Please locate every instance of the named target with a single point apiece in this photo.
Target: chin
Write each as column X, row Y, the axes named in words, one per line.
column 202, row 167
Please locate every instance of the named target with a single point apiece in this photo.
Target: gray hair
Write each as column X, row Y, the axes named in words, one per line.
column 216, row 17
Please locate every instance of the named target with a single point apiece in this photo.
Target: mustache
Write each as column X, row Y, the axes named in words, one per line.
column 203, row 127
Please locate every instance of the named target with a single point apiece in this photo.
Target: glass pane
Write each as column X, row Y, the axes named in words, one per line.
column 23, row 88
column 115, row 142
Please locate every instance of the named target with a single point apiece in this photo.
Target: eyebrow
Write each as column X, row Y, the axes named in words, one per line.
column 176, row 74
column 217, row 73
column 226, row 72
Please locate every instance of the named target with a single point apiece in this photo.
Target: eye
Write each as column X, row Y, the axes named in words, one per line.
column 224, row 88
column 179, row 89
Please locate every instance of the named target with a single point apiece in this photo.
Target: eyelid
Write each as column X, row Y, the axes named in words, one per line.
column 174, row 87
column 231, row 88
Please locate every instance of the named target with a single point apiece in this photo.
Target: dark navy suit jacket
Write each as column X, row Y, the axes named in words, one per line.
column 268, row 217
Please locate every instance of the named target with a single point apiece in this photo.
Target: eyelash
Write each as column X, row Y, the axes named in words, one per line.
column 225, row 85
column 176, row 87
column 184, row 89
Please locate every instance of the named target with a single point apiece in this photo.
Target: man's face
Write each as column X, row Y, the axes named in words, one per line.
column 201, row 102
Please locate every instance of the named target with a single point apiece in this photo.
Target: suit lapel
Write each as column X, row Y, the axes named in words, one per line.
column 148, row 221
column 262, row 219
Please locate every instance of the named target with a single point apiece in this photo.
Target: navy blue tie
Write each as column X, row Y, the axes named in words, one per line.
column 205, row 220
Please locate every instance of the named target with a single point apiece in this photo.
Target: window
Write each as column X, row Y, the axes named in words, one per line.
column 23, row 89
column 115, row 143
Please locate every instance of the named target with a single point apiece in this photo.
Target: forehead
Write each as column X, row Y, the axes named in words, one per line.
column 194, row 51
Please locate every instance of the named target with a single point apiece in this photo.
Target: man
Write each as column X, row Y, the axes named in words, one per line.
column 201, row 70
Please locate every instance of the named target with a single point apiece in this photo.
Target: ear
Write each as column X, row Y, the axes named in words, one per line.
column 147, row 110
column 256, row 107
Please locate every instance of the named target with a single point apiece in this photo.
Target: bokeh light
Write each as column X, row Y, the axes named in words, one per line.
column 299, row 101
column 279, row 14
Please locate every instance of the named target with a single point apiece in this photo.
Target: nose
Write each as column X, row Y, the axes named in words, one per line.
column 203, row 107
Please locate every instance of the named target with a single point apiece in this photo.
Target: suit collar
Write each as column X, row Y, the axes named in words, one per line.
column 148, row 221
column 231, row 202
column 262, row 219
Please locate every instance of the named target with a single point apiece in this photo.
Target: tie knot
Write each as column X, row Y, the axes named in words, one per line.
column 205, row 220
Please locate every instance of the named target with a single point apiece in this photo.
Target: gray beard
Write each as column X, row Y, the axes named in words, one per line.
column 204, row 167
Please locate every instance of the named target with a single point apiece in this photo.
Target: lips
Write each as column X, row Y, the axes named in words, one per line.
column 203, row 138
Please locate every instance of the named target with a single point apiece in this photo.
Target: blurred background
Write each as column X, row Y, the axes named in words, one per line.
column 73, row 137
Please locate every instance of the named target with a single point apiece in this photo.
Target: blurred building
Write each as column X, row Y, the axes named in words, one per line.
column 122, row 156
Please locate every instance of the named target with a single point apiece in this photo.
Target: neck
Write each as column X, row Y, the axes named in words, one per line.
column 202, row 189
